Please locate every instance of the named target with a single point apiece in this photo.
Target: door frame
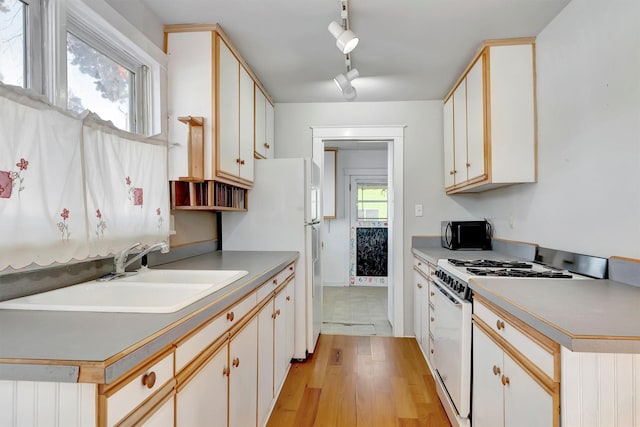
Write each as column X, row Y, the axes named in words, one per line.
column 394, row 137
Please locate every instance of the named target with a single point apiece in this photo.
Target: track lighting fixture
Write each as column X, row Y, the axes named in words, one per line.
column 346, row 40
column 343, row 81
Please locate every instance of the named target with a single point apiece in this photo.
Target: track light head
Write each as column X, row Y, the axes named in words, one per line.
column 343, row 81
column 346, row 40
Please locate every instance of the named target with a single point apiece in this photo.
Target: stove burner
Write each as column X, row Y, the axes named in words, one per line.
column 510, row 272
column 489, row 263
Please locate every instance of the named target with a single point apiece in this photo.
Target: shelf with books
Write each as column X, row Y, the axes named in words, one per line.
column 207, row 195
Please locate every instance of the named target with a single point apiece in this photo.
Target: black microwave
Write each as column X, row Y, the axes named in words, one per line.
column 468, row 235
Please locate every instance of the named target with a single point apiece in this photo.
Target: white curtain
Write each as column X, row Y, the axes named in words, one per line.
column 73, row 188
column 42, row 209
column 126, row 188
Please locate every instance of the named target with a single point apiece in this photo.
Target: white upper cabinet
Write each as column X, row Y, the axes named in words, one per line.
column 264, row 135
column 208, row 78
column 490, row 120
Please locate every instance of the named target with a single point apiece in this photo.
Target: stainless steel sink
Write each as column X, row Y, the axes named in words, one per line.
column 150, row 291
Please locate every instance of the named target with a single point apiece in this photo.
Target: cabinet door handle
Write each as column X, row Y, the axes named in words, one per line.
column 274, row 315
column 505, row 380
column 230, row 316
column 432, row 351
column 419, row 263
column 496, row 370
column 291, row 268
column 236, row 362
column 433, row 293
column 149, row 380
column 237, row 160
column 226, row 371
column 267, row 145
column 419, row 285
column 433, row 319
column 499, row 324
column 451, row 172
column 288, row 298
column 242, row 162
column 468, row 165
column 275, row 281
column 278, row 312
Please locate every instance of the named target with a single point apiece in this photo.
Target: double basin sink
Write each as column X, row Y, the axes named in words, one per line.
column 148, row 291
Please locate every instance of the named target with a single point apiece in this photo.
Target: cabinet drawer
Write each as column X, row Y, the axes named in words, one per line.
column 190, row 348
column 271, row 284
column 138, row 389
column 523, row 343
column 424, row 267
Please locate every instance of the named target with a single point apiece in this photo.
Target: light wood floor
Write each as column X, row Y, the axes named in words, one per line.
column 360, row 381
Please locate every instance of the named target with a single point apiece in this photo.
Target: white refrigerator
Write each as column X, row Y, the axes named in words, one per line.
column 284, row 215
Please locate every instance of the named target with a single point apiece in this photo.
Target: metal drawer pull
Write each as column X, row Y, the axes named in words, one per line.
column 499, row 324
column 236, row 362
column 496, row 370
column 505, row 380
column 230, row 316
column 149, row 380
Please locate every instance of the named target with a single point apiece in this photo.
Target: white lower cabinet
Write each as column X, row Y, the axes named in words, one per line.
column 243, row 378
column 265, row 361
column 203, row 400
column 421, row 304
column 512, row 384
column 504, row 394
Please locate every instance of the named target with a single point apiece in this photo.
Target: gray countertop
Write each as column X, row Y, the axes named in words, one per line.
column 50, row 345
column 582, row 315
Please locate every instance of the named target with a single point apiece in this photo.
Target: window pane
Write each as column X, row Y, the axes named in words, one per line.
column 97, row 83
column 12, row 42
column 372, row 202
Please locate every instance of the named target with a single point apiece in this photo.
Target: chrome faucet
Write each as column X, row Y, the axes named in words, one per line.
column 120, row 261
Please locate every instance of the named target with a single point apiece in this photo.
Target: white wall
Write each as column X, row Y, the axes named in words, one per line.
column 587, row 198
column 336, row 232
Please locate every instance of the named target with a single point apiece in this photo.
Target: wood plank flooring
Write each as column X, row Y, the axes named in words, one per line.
column 360, row 381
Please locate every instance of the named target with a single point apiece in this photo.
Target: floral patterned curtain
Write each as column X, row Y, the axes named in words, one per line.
column 126, row 188
column 73, row 188
column 42, row 209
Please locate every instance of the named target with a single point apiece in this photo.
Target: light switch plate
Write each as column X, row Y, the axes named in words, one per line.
column 418, row 210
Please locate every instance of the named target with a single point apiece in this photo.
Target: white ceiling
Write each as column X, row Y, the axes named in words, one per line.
column 409, row 49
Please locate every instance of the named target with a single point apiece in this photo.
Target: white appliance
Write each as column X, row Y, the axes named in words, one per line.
column 452, row 324
column 284, row 215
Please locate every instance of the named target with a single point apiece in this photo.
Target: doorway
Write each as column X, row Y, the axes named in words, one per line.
column 392, row 139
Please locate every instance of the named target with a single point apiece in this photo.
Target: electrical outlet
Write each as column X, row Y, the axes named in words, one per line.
column 418, row 210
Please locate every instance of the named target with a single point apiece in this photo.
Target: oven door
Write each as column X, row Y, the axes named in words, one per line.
column 452, row 340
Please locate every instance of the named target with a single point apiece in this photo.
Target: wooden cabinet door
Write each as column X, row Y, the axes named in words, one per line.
column 475, row 121
column 203, row 400
column 526, row 403
column 265, row 360
column 269, row 130
column 460, row 133
column 260, row 123
column 228, row 111
column 243, row 354
column 448, row 143
column 488, row 404
column 246, row 125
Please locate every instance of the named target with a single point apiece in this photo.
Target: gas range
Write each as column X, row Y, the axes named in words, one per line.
column 455, row 274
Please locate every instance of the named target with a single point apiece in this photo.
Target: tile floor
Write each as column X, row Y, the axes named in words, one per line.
column 355, row 310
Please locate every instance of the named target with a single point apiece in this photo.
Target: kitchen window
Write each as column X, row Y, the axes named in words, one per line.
column 20, row 32
column 104, row 78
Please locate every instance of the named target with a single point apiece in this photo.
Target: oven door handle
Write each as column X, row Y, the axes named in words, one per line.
column 452, row 299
